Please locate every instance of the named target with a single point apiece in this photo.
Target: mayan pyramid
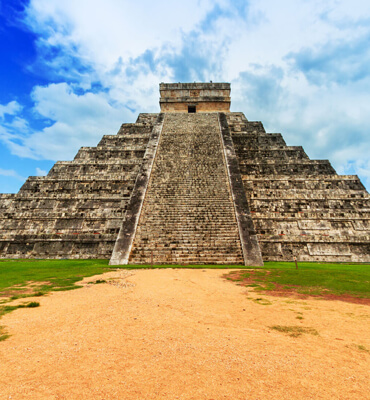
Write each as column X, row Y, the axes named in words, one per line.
column 193, row 184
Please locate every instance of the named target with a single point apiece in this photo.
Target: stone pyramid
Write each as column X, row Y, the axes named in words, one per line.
column 193, row 184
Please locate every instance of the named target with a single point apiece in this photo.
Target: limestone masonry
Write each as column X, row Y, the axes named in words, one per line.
column 195, row 184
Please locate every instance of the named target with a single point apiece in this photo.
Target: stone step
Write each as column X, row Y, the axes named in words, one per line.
column 295, row 193
column 103, row 154
column 199, row 219
column 105, row 161
column 194, row 261
column 83, row 195
column 72, row 171
column 312, row 167
column 181, row 229
column 188, row 248
column 109, row 141
column 195, row 251
column 95, row 175
column 312, row 207
column 134, row 129
column 53, row 236
column 168, row 236
column 39, row 215
column 321, row 215
column 314, row 238
column 122, row 147
column 278, row 155
column 214, row 252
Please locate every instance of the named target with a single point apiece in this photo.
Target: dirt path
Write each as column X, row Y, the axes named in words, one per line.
column 183, row 334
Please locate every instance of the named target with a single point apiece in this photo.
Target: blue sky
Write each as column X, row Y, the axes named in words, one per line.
column 72, row 71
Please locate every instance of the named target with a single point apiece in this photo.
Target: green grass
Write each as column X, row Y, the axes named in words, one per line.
column 311, row 278
column 3, row 334
column 262, row 301
column 8, row 309
column 362, row 348
column 100, row 281
column 25, row 278
column 294, row 331
column 32, row 304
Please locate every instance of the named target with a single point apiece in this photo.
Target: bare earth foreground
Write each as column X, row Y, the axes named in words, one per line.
column 183, row 334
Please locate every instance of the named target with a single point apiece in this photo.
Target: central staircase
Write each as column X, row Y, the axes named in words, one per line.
column 188, row 215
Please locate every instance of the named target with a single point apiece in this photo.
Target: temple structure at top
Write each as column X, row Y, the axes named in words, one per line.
column 195, row 97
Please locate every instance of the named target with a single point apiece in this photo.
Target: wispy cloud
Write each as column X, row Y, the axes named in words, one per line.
column 11, row 173
column 40, row 172
column 12, row 108
column 260, row 87
column 339, row 62
column 77, row 120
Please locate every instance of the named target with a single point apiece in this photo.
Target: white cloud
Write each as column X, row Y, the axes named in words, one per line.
column 40, row 172
column 13, row 127
column 74, row 121
column 107, row 30
column 12, row 173
column 107, row 42
column 80, row 120
column 12, row 108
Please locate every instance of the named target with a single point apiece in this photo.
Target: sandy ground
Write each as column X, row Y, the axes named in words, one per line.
column 183, row 334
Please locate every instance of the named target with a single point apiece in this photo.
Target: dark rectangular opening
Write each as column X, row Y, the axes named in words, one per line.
column 192, row 109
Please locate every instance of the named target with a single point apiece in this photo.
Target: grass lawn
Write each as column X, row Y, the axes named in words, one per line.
column 25, row 278
column 309, row 278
